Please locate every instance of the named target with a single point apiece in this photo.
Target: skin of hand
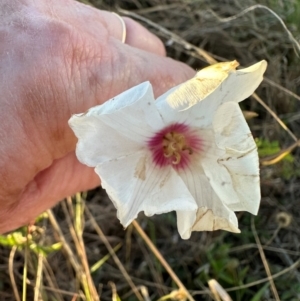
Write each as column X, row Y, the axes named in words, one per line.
column 58, row 58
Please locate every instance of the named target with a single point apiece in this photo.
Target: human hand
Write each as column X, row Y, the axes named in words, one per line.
column 58, row 58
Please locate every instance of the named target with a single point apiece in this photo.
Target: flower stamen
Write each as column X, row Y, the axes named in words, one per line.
column 173, row 145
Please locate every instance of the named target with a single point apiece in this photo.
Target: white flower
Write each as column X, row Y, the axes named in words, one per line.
column 190, row 151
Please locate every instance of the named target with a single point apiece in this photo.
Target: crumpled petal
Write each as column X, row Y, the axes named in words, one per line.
column 133, row 113
column 244, row 172
column 234, row 155
column 231, row 129
column 135, row 184
column 237, row 86
column 205, row 82
column 212, row 213
column 117, row 128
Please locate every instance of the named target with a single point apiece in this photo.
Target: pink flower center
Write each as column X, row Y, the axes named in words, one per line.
column 175, row 145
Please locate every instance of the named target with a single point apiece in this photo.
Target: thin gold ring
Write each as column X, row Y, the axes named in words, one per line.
column 123, row 27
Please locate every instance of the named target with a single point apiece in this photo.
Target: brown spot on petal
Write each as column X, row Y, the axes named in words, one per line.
column 140, row 169
column 163, row 182
column 227, row 130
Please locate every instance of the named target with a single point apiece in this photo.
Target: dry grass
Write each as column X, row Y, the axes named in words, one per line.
column 263, row 262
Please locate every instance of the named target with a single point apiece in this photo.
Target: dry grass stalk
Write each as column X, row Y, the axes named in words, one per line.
column 264, row 260
column 11, row 272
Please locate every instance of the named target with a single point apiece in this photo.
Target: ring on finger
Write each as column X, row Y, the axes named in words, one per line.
column 123, row 27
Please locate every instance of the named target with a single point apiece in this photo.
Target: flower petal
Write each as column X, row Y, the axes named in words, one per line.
column 220, row 180
column 212, row 214
column 232, row 164
column 119, row 127
column 240, row 158
column 231, row 129
column 206, row 81
column 135, row 184
column 242, row 83
column 98, row 142
column 244, row 172
column 132, row 113
column 237, row 86
column 131, row 97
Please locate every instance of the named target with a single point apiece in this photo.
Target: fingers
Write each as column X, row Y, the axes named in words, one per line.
column 136, row 35
column 92, row 20
column 128, row 67
column 139, row 37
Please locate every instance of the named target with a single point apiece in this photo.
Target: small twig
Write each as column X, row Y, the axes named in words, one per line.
column 11, row 272
column 114, row 256
column 282, row 124
column 264, row 260
column 128, row 244
column 157, row 8
column 39, row 274
column 287, row 91
column 163, row 262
